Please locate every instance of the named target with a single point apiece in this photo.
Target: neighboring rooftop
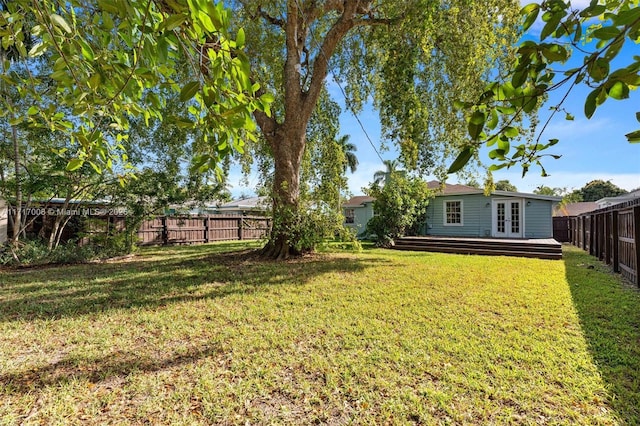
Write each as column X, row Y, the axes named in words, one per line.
column 612, row 201
column 358, row 201
column 574, row 209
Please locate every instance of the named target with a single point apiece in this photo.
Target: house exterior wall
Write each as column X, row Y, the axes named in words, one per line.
column 4, row 221
column 362, row 215
column 477, row 216
column 538, row 218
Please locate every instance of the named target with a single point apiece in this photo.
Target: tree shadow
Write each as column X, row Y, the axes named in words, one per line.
column 609, row 311
column 101, row 369
column 156, row 279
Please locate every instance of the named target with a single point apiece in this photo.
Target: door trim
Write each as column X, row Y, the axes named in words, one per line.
column 494, row 217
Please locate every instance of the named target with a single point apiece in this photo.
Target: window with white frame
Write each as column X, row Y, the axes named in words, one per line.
column 349, row 216
column 453, row 213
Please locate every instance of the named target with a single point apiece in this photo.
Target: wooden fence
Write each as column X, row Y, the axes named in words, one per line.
column 168, row 230
column 163, row 230
column 611, row 234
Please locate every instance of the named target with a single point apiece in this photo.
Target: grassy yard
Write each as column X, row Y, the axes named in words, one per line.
column 209, row 335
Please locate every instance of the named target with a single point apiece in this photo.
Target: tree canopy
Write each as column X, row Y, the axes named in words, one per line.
column 598, row 189
column 505, row 185
column 411, row 58
column 598, row 32
column 109, row 61
column 108, row 58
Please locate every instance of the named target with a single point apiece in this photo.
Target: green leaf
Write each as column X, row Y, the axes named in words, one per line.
column 530, row 13
column 240, row 39
column 174, row 21
column 598, row 69
column 59, row 75
column 493, row 120
column 59, row 21
column 74, row 164
column 590, row 103
column 519, row 78
column 511, row 132
column 638, row 116
column 476, row 123
column 37, row 50
column 606, row 33
column 627, row 17
column 189, row 90
column 460, row 161
column 633, row 137
column 551, row 25
column 619, row 90
column 33, row 110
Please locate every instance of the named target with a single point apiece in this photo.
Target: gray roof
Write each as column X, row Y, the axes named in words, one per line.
column 456, row 189
column 257, row 203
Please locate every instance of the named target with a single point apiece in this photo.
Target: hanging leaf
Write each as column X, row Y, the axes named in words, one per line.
column 240, row 39
column 59, row 22
column 476, row 123
column 460, row 161
column 74, row 164
column 189, row 90
column 633, row 137
column 530, row 13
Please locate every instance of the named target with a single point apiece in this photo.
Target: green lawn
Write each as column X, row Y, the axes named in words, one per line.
column 208, row 334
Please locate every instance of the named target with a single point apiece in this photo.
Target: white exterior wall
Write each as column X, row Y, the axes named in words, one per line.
column 4, row 221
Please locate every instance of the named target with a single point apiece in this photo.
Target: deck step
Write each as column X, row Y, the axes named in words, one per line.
column 487, row 247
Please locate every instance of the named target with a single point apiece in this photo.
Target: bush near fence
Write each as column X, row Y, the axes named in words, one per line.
column 611, row 234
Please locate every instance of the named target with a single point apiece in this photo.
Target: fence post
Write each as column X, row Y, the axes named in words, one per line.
column 592, row 227
column 615, row 244
column 584, row 232
column 206, row 229
column 636, row 237
column 240, row 226
column 165, row 231
column 607, row 238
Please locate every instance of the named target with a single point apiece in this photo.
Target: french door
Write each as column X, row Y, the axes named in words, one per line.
column 507, row 219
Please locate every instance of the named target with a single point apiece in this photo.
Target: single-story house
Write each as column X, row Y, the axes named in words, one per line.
column 465, row 211
column 255, row 206
column 246, row 207
column 4, row 221
column 357, row 212
column 612, row 201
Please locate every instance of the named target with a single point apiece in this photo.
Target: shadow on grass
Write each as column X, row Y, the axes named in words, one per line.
column 609, row 312
column 157, row 278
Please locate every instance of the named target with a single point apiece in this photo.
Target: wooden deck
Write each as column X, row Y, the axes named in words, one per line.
column 542, row 248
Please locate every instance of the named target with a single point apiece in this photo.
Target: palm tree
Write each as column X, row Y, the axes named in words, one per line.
column 382, row 175
column 348, row 149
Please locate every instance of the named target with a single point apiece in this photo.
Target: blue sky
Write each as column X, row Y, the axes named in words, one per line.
column 590, row 149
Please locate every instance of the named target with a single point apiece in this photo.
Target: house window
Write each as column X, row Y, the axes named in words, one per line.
column 453, row 213
column 349, row 216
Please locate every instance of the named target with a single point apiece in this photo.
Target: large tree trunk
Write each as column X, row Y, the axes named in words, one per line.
column 288, row 149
